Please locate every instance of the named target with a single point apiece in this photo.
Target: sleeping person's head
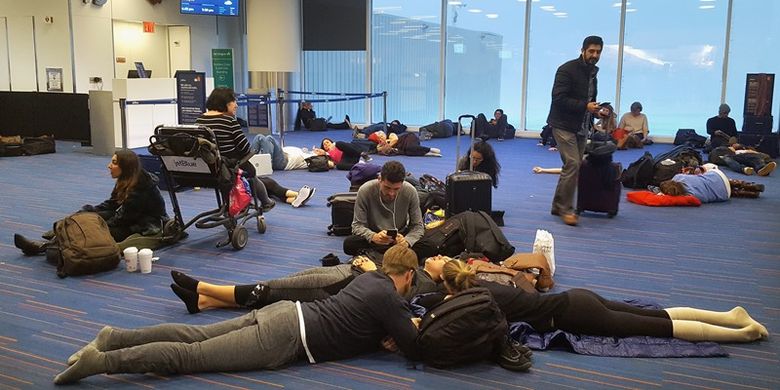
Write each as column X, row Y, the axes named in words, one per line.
column 458, row 276
column 673, row 188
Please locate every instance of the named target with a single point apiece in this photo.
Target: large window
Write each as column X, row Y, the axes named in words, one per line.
column 484, row 64
column 336, row 71
column 673, row 61
column 406, row 63
column 754, row 48
column 556, row 36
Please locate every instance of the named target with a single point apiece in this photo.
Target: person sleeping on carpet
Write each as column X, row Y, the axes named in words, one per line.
column 585, row 312
column 710, row 186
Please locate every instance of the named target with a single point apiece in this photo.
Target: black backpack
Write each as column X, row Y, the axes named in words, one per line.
column 639, row 173
column 690, row 138
column 466, row 328
column 342, row 211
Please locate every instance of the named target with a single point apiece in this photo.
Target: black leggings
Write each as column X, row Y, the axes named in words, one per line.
column 274, row 189
column 349, row 157
column 589, row 314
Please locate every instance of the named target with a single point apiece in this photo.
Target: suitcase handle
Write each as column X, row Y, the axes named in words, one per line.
column 457, row 139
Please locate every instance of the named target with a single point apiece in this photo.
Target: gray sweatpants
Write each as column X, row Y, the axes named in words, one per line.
column 309, row 285
column 262, row 339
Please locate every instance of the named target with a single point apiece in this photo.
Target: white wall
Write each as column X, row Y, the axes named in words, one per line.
column 273, row 36
column 52, row 41
column 92, row 44
column 133, row 44
column 179, row 48
column 5, row 76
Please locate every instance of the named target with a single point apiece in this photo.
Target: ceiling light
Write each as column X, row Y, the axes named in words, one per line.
column 706, row 6
column 549, row 8
column 475, row 10
column 492, row 16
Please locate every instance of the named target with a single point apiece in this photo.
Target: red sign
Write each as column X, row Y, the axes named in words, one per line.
column 148, row 27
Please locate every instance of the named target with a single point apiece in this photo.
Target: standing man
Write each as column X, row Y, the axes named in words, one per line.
column 387, row 212
column 571, row 117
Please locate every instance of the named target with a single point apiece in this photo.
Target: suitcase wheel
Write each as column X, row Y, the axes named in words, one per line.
column 612, row 214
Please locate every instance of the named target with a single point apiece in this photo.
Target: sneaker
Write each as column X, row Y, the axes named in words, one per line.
column 303, row 194
column 748, row 171
column 347, row 121
column 365, row 157
column 513, row 357
column 312, row 190
column 767, row 169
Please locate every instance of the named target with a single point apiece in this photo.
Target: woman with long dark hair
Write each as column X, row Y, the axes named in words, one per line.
column 484, row 159
column 585, row 312
column 135, row 205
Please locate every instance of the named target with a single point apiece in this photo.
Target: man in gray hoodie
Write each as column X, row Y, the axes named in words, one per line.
column 387, row 212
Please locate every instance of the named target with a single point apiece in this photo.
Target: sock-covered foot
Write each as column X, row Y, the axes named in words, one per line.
column 185, row 281
column 190, row 298
column 92, row 362
column 742, row 318
column 100, row 343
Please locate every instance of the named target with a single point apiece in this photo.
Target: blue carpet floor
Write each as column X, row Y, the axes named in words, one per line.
column 715, row 256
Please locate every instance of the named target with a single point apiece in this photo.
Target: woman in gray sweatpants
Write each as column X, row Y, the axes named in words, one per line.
column 262, row 339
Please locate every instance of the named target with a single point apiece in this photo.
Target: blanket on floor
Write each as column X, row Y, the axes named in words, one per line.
column 636, row 346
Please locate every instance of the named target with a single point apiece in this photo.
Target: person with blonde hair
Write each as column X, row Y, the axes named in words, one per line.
column 585, row 312
column 367, row 314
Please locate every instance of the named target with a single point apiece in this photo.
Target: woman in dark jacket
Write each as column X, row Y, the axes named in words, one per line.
column 484, row 159
column 135, row 205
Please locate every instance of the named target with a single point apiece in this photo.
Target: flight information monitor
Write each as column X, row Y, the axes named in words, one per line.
column 210, row 7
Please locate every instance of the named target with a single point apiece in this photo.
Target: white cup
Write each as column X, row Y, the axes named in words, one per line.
column 145, row 260
column 131, row 259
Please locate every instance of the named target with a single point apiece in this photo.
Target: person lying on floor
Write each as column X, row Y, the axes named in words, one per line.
column 584, row 312
column 135, row 205
column 370, row 312
column 341, row 155
column 286, row 158
column 743, row 159
column 407, row 144
column 294, row 198
column 305, row 286
column 393, row 127
column 710, row 186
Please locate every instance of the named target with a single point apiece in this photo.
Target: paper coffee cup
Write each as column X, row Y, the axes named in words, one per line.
column 145, row 260
column 131, row 259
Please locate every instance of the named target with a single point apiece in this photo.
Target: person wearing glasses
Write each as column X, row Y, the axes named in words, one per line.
column 370, row 312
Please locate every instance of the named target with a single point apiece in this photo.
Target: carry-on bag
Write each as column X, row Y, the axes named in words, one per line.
column 342, row 211
column 468, row 190
column 597, row 190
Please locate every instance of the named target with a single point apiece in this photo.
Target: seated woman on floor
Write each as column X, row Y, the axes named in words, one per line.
column 484, row 159
column 407, row 144
column 634, row 127
column 584, row 312
column 710, row 186
column 135, row 205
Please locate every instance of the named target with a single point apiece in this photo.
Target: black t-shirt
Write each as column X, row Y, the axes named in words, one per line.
column 355, row 320
column 726, row 125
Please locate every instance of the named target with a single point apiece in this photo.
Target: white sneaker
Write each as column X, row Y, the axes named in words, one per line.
column 312, row 190
column 545, row 245
column 303, row 194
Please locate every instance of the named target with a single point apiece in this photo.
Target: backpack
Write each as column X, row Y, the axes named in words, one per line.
column 639, row 173
column 466, row 328
column 690, row 138
column 689, row 156
column 342, row 211
column 362, row 173
column 317, row 163
column 666, row 171
column 84, row 245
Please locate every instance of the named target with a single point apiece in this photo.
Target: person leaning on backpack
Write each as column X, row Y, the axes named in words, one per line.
column 135, row 205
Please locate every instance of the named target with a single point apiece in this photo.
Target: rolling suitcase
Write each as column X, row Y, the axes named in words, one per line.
column 595, row 193
column 467, row 190
column 342, row 210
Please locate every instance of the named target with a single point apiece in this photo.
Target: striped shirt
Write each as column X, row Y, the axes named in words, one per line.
column 232, row 141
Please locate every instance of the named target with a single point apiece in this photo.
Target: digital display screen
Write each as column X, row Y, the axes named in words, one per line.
column 210, row 7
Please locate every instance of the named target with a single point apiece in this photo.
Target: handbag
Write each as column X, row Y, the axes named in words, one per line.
column 317, row 163
column 240, row 197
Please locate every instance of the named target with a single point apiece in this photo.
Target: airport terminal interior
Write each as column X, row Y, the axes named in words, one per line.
column 100, row 75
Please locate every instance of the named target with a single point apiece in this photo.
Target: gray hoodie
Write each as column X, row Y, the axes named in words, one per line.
column 373, row 215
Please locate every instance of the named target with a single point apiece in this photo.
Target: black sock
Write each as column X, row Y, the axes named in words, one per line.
column 190, row 298
column 184, row 281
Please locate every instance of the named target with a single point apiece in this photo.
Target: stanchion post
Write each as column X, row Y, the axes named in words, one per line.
column 123, row 120
column 280, row 99
column 384, row 107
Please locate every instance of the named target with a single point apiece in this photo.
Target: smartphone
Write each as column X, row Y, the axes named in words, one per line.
column 392, row 232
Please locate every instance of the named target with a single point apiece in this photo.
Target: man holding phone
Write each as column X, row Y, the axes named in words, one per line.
column 387, row 212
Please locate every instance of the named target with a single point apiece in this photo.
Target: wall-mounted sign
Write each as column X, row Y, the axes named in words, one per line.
column 257, row 113
column 148, row 27
column 54, row 79
column 222, row 67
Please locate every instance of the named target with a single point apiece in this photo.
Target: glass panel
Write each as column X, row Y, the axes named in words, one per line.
column 753, row 49
column 557, row 32
column 335, row 71
column 673, row 62
column 484, row 58
column 406, row 59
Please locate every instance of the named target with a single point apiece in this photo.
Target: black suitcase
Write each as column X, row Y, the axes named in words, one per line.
column 757, row 124
column 593, row 194
column 467, row 190
column 342, row 211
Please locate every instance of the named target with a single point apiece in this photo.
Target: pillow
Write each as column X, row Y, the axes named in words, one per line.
column 647, row 198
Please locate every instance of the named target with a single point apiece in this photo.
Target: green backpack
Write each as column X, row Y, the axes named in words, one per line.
column 84, row 245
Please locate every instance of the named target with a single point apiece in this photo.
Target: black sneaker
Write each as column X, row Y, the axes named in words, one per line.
column 513, row 357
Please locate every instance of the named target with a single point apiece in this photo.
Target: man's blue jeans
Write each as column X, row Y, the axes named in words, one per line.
column 267, row 144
